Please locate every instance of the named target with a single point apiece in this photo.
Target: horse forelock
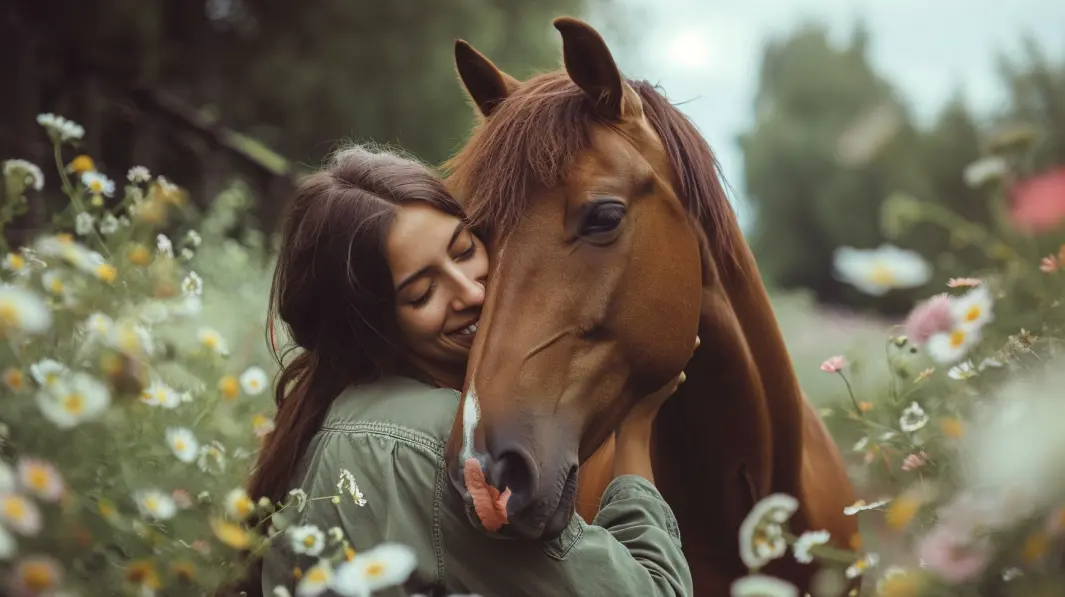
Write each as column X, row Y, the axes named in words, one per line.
column 530, row 142
column 535, row 136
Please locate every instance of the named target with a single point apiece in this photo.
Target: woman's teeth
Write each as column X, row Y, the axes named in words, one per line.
column 471, row 329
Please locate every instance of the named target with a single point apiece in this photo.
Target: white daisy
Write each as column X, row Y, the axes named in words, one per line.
column 59, row 128
column 83, row 224
column 347, row 484
column 187, row 254
column 21, row 310
column 238, row 505
column 98, row 184
column 193, row 238
column 213, row 341
column 760, row 585
column 131, row 339
column 109, row 224
column 262, row 425
column 253, row 381
column 386, row 565
column 315, row 581
column 858, row 568
column 138, row 174
column 155, row 504
column 962, row 371
column 280, row 591
column 807, row 541
column 20, row 514
column 913, row 418
column 98, row 325
column 951, row 347
column 48, row 372
column 984, row 170
column 54, row 282
column 40, row 478
column 164, row 245
column 37, row 575
column 336, row 535
column 160, row 394
column 300, row 497
column 183, row 443
column 307, row 539
column 74, row 400
column 192, row 285
column 876, row 271
column 15, row 263
column 212, row 458
column 761, row 536
column 28, row 173
column 974, row 307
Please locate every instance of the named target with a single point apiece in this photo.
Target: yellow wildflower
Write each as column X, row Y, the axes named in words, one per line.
column 14, row 379
column 230, row 387
column 139, row 255
column 901, row 511
column 80, row 164
column 230, row 533
column 952, row 428
column 107, row 272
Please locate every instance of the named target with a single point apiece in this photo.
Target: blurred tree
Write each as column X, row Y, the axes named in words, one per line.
column 294, row 76
column 830, row 142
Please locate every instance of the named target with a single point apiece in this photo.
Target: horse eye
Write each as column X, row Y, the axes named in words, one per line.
column 602, row 218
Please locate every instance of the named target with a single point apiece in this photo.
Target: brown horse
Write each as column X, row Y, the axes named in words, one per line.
column 612, row 244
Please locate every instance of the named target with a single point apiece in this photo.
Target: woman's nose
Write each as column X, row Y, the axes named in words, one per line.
column 469, row 293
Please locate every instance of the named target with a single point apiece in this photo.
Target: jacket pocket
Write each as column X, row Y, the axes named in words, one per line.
column 560, row 546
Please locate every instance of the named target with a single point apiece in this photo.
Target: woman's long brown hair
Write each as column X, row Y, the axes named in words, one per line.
column 333, row 293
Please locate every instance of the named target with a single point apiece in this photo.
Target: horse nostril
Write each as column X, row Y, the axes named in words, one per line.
column 516, row 471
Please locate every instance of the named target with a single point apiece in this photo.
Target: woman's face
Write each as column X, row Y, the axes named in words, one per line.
column 439, row 269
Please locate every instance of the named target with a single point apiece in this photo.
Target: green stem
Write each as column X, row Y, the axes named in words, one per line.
column 850, row 391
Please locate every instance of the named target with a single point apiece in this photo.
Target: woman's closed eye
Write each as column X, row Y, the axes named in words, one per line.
column 468, row 251
column 422, row 300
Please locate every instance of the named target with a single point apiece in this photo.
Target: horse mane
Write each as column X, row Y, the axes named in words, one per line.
column 534, row 137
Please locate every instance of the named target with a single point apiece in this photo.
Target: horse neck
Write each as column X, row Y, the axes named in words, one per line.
column 732, row 433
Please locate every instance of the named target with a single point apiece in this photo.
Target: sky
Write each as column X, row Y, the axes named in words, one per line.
column 707, row 52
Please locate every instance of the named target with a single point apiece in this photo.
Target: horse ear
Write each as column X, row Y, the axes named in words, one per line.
column 592, row 67
column 487, row 85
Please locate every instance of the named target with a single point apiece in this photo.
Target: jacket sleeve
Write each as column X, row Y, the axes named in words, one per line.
column 632, row 548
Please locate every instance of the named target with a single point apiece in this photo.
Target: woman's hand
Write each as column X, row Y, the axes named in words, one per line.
column 632, row 438
column 643, row 414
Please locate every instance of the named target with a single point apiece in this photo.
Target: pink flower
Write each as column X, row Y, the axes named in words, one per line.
column 181, row 498
column 928, row 318
column 962, row 282
column 1049, row 264
column 914, row 461
column 955, row 556
column 834, row 364
column 1038, row 203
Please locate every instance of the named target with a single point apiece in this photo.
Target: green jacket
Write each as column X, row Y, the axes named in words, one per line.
column 391, row 435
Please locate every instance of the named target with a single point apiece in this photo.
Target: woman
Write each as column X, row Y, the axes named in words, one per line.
column 380, row 283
